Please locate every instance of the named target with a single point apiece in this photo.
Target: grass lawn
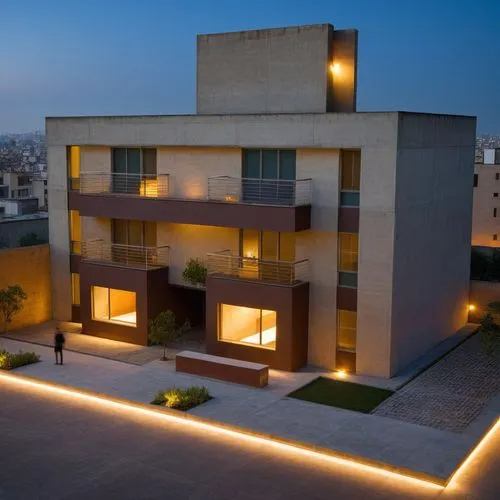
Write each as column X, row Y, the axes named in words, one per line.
column 340, row 394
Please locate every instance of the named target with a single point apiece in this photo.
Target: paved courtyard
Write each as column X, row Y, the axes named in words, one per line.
column 398, row 443
column 56, row 448
column 43, row 334
column 451, row 394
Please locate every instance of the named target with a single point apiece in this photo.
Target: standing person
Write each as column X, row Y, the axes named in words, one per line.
column 58, row 345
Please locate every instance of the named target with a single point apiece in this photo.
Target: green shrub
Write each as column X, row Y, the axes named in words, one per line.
column 182, row 399
column 10, row 360
column 195, row 272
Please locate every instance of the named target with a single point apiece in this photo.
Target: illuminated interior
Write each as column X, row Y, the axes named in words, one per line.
column 115, row 306
column 149, row 188
column 245, row 325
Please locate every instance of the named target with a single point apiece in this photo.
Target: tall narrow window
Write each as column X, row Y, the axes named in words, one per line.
column 75, row 231
column 73, row 161
column 497, row 176
column 75, row 289
column 495, row 237
column 348, row 259
column 346, row 331
column 476, row 179
column 350, row 177
column 494, row 212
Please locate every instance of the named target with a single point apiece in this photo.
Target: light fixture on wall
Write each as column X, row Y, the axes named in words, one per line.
column 472, row 307
column 335, row 69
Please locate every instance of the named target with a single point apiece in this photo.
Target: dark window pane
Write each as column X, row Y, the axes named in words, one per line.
column 133, row 161
column 350, row 165
column 251, row 163
column 149, row 161
column 475, row 180
column 349, row 199
column 269, row 164
column 348, row 279
column 119, row 231
column 119, row 160
column 287, row 164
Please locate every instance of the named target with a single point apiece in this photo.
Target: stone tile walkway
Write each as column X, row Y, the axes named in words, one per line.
column 111, row 349
column 451, row 394
column 401, row 444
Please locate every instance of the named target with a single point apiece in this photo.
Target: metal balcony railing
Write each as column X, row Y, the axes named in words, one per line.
column 125, row 255
column 260, row 191
column 275, row 271
column 147, row 185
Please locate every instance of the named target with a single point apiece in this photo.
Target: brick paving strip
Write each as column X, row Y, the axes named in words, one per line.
column 451, row 394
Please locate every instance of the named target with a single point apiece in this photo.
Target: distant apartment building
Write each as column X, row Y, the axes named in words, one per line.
column 22, row 193
column 331, row 237
column 486, row 212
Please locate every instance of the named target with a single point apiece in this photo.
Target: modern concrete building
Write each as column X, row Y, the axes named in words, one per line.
column 332, row 237
column 486, row 212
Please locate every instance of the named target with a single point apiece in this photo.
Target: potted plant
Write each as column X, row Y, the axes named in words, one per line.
column 195, row 273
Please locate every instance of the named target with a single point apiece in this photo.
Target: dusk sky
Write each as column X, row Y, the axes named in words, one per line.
column 116, row 57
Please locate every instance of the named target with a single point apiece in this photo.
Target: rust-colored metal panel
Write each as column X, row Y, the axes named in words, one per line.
column 222, row 371
column 348, row 220
column 74, row 263
column 208, row 213
column 291, row 304
column 75, row 314
column 346, row 361
column 347, row 298
column 150, row 287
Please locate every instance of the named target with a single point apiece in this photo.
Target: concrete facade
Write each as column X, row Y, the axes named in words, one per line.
column 486, row 213
column 276, row 89
column 283, row 70
column 28, row 267
column 400, row 174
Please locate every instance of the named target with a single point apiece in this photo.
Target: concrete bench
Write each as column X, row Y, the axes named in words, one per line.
column 227, row 369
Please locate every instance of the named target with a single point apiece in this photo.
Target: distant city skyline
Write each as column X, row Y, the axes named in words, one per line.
column 115, row 58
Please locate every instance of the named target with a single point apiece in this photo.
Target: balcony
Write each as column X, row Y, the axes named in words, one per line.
column 267, row 205
column 260, row 191
column 130, row 256
column 225, row 264
column 150, row 186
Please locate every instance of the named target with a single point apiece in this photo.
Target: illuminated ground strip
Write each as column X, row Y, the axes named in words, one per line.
column 213, row 427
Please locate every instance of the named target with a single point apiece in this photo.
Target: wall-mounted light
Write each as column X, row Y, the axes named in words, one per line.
column 472, row 307
column 335, row 68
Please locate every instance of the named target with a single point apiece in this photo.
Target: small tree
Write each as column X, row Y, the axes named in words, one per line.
column 163, row 330
column 11, row 302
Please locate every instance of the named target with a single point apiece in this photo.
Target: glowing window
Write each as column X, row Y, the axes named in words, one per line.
column 348, row 252
column 350, row 170
column 245, row 325
column 75, row 289
column 116, row 306
column 346, row 332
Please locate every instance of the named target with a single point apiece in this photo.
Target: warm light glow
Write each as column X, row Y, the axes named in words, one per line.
column 268, row 337
column 472, row 307
column 231, row 199
column 341, row 374
column 484, row 441
column 335, row 68
column 125, row 318
column 149, row 188
column 214, row 428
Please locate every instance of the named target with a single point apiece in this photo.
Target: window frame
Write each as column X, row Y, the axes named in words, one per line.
column 338, row 347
